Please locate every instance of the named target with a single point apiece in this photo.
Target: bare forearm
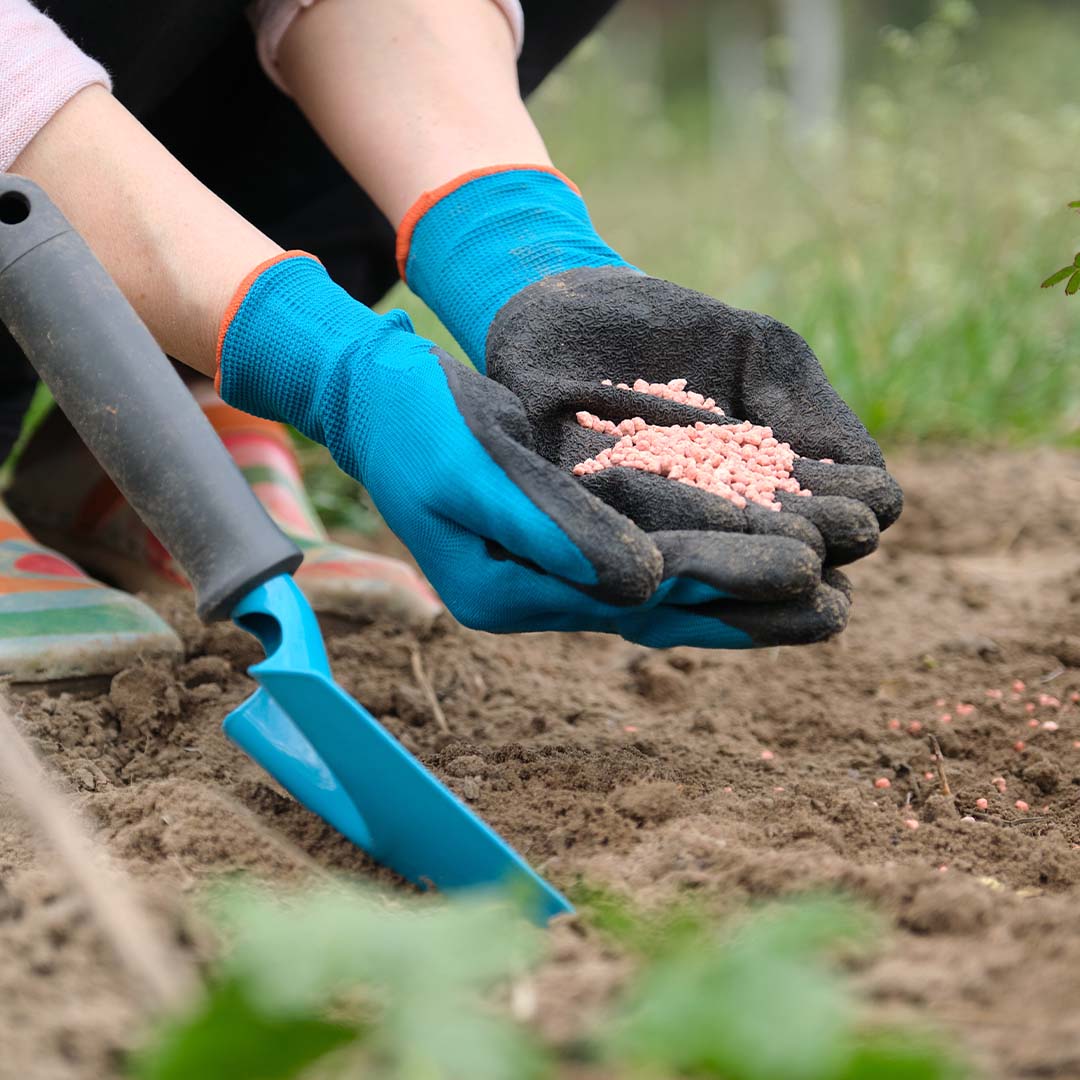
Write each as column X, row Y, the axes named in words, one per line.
column 174, row 248
column 410, row 93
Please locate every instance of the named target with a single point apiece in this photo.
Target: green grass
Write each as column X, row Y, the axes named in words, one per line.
column 907, row 247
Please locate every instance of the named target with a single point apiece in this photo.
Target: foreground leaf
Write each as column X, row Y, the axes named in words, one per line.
column 229, row 1037
column 759, row 1006
column 418, row 973
column 888, row 1057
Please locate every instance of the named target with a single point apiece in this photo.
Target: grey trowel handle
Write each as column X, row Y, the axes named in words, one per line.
column 131, row 408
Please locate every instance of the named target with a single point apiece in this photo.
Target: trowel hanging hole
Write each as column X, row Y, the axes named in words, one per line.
column 14, row 207
column 265, row 627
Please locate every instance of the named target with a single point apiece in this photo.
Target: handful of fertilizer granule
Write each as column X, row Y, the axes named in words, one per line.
column 741, row 462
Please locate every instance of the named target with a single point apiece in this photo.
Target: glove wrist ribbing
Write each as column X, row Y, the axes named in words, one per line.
column 470, row 246
column 292, row 347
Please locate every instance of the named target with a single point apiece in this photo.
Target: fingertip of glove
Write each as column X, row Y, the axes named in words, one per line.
column 814, row 618
column 824, row 615
column 838, row 580
column 755, row 568
column 869, row 484
column 831, row 610
column 629, row 566
column 848, row 526
column 800, row 563
column 890, row 501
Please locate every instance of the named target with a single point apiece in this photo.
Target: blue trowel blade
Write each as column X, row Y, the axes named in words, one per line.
column 336, row 759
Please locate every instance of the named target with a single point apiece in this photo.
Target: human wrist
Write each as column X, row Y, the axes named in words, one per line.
column 470, row 245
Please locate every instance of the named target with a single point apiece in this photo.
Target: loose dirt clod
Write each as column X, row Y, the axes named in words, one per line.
column 741, row 462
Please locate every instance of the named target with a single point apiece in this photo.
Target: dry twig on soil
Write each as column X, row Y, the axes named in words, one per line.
column 939, row 762
column 428, row 690
column 160, row 971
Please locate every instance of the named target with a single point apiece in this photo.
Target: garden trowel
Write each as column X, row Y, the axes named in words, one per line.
column 134, row 413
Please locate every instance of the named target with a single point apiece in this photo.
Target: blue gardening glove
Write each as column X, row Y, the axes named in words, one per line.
column 510, row 541
column 509, row 260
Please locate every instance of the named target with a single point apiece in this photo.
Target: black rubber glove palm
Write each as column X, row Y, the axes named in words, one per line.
column 555, row 342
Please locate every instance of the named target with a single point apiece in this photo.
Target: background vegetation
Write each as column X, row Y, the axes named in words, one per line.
column 905, row 236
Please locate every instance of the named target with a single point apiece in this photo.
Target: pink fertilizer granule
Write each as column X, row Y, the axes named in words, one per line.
column 739, row 462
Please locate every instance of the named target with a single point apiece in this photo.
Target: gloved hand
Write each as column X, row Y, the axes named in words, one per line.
column 510, row 541
column 509, row 260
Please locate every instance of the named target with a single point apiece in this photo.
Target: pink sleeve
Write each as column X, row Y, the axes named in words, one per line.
column 40, row 70
column 271, row 18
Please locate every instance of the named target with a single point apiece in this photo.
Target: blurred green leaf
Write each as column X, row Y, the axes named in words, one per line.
column 228, row 1037
column 618, row 918
column 341, row 982
column 608, row 912
column 887, row 1056
column 421, row 972
column 760, row 1005
column 1074, row 284
column 764, row 1003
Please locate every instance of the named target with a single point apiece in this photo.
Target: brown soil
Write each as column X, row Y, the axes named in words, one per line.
column 644, row 770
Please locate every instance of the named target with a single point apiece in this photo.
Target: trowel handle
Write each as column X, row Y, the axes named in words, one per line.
column 131, row 408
